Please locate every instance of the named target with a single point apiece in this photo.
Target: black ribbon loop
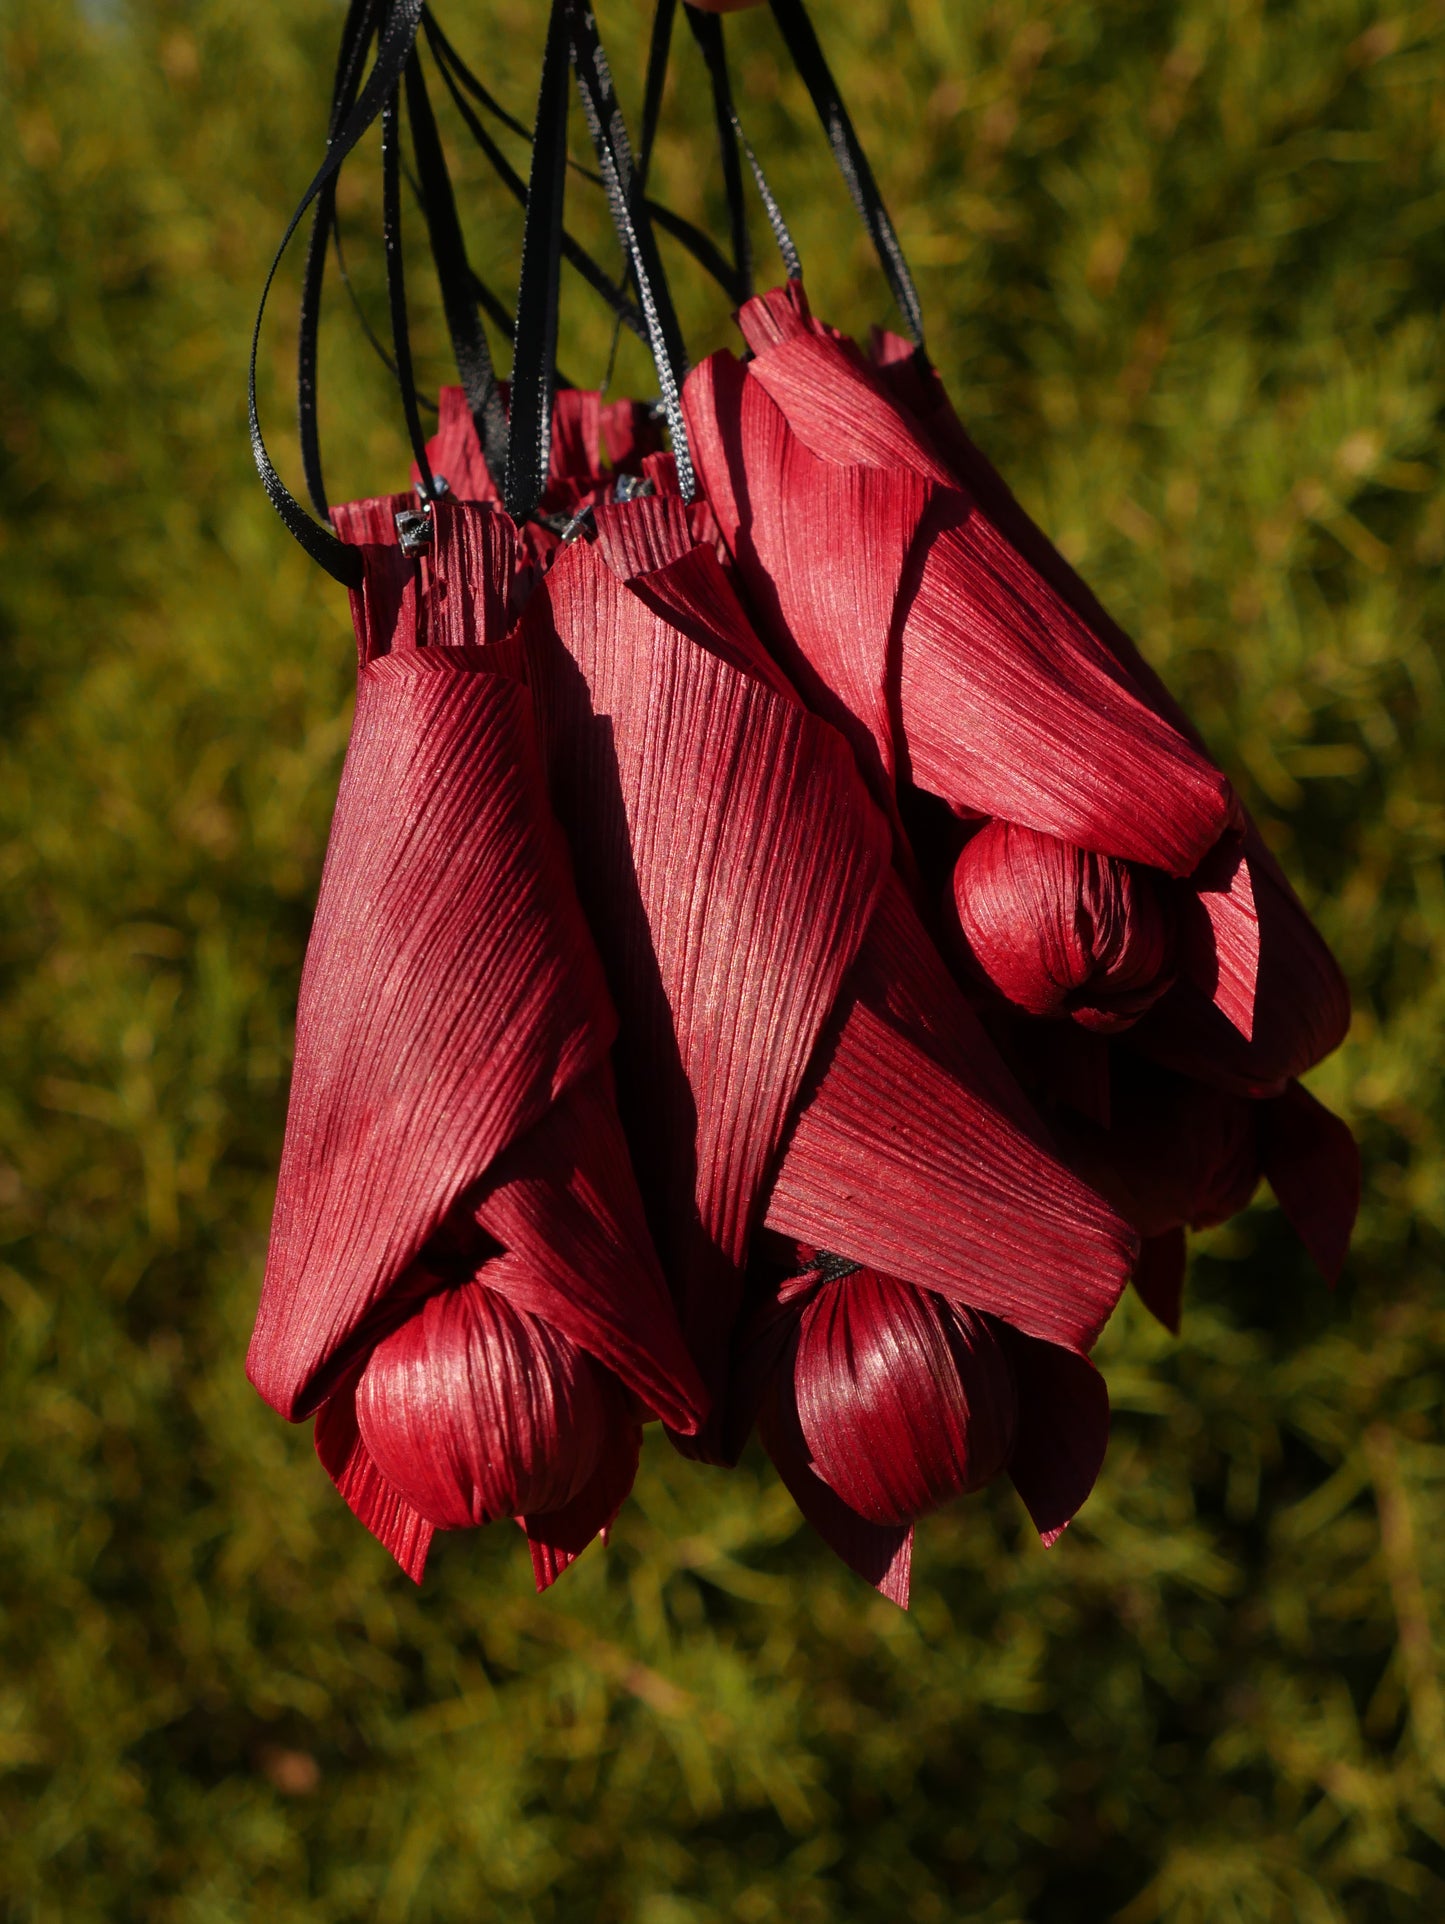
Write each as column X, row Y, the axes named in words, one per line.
column 659, row 49
column 534, row 367
column 522, row 456
column 454, row 275
column 340, row 561
column 457, row 76
column 802, row 43
column 630, row 215
column 396, row 286
column 356, row 37
column 707, row 32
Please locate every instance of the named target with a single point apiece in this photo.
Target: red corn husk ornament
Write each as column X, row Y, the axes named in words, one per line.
column 781, row 1007
column 476, row 1411
column 908, row 619
column 631, row 1079
column 908, row 1143
column 910, row 613
column 1114, row 879
column 881, row 1402
column 456, row 1205
column 932, row 1401
column 792, row 1052
column 1300, row 1003
column 1279, row 1001
column 916, row 1154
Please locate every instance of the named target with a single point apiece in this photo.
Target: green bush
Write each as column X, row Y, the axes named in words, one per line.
column 1184, row 261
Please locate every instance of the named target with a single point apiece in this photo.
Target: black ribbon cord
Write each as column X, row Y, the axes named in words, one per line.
column 396, row 286
column 707, row 30
column 454, row 275
column 340, row 561
column 631, row 217
column 802, row 43
column 534, row 367
column 356, row 37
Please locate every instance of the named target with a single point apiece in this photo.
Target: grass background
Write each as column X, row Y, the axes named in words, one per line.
column 1184, row 261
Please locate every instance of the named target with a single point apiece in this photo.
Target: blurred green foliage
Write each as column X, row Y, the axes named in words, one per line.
column 1184, row 261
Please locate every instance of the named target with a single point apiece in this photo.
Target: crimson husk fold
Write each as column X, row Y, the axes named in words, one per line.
column 641, row 904
column 452, row 1128
column 1088, row 862
column 782, row 1013
column 783, row 1016
column 783, row 959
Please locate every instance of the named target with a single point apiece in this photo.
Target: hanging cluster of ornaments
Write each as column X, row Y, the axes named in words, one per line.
column 784, row 962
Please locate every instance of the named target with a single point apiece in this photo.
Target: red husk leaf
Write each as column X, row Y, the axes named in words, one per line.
column 1301, row 1001
column 584, row 429
column 1063, row 1430
column 1177, row 1153
column 1009, row 708
column 558, row 1537
column 564, row 1200
column 396, row 1525
column 1186, row 1154
column 385, row 609
column 953, row 646
column 834, row 400
column 1061, row 931
column 1301, row 1006
column 729, row 861
column 880, row 1553
column 917, row 389
column 473, row 591
column 782, row 512
column 1219, row 945
column 1312, row 1164
column 914, row 1153
column 1159, row 1278
column 450, row 993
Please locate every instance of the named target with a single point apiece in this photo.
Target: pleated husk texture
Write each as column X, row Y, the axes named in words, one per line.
column 1089, row 861
column 653, row 913
column 781, row 1008
column 452, row 1116
column 790, row 1050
